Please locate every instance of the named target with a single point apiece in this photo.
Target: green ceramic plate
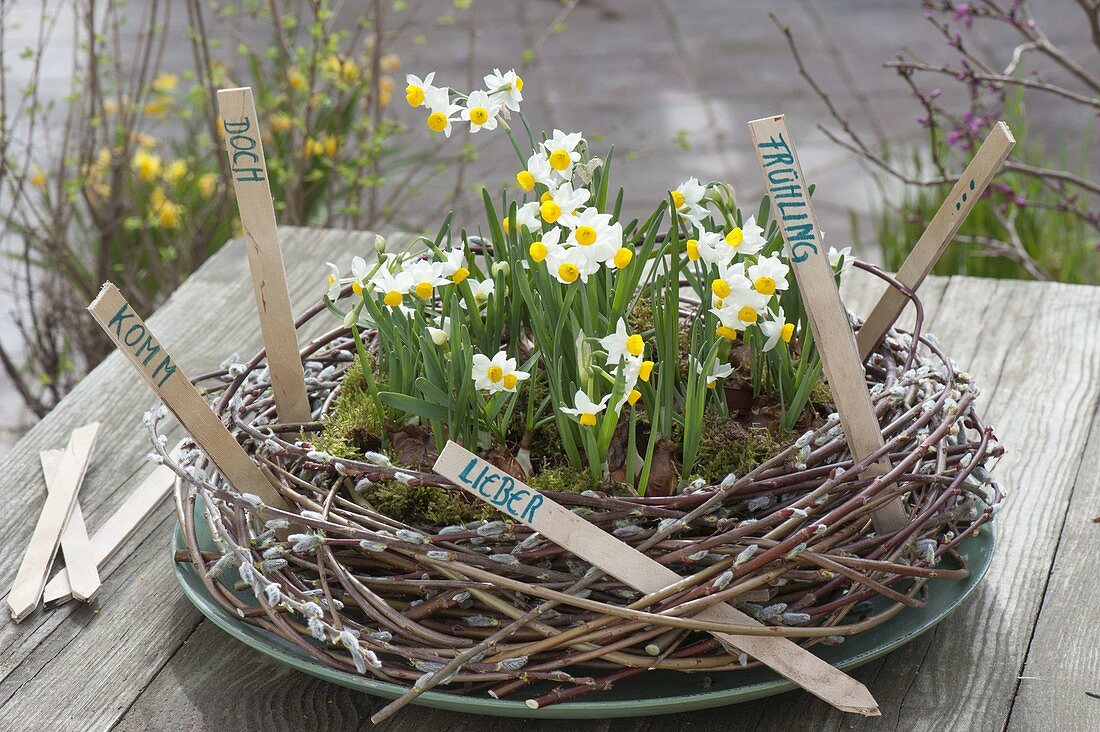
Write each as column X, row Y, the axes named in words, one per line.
column 658, row 692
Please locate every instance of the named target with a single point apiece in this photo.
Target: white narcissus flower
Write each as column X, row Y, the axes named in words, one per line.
column 623, row 257
column 454, row 265
column 506, row 88
column 730, row 277
column 550, row 243
column 568, row 264
column 425, row 276
column 740, row 309
column 538, row 170
column 776, row 329
column 632, row 371
column 333, row 281
column 561, row 151
column 687, row 196
column 718, row 370
column 621, row 344
column 593, row 232
column 441, row 111
column 527, row 217
column 562, row 203
column 710, row 247
column 769, row 275
column 393, row 287
column 496, row 374
column 584, row 409
column 359, row 273
column 746, row 239
column 416, row 90
column 483, row 289
column 841, row 260
column 480, row 111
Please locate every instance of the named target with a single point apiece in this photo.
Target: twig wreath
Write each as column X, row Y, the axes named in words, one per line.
column 662, row 382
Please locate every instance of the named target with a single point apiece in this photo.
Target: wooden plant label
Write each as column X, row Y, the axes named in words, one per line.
column 114, row 531
column 265, row 259
column 941, row 230
column 569, row 531
column 131, row 336
column 816, row 282
column 35, row 567
column 80, row 565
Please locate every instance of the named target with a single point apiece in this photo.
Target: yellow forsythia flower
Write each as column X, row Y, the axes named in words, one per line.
column 166, row 82
column 345, row 70
column 208, row 182
column 158, row 106
column 331, row 145
column 349, row 72
column 148, row 141
column 296, row 80
column 39, row 178
column 281, row 123
column 176, row 171
column 168, row 215
column 146, row 165
column 313, row 148
column 389, row 63
column 385, row 90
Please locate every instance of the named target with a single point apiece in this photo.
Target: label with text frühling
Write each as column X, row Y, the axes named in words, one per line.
column 789, row 196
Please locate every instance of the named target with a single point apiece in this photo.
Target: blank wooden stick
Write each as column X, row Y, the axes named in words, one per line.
column 587, row 541
column 31, row 577
column 122, row 523
column 131, row 336
column 941, row 230
column 80, row 565
column 817, row 284
column 265, row 259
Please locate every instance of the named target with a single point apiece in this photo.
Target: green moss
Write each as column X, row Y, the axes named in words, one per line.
column 640, row 319
column 564, row 479
column 352, row 425
column 821, row 395
column 727, row 446
column 426, row 505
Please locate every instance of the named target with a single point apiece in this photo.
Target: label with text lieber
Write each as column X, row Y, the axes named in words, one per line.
column 499, row 489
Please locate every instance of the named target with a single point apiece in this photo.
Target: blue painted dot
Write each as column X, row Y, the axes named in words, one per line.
column 971, row 185
column 957, row 205
column 964, row 196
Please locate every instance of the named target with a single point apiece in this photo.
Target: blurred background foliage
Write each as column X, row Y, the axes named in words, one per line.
column 1021, row 231
column 135, row 187
column 1040, row 218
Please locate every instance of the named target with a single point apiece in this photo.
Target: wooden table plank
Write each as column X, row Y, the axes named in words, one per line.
column 1037, row 355
column 963, row 674
column 140, row 619
column 1063, row 664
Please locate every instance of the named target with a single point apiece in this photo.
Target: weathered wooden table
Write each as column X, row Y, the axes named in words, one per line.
column 1022, row 653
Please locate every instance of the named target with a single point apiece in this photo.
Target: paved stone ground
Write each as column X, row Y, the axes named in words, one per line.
column 670, row 83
